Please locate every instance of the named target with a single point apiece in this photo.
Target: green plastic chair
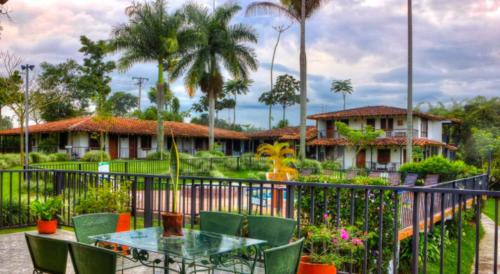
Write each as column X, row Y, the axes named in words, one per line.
column 48, row 255
column 283, row 259
column 276, row 231
column 221, row 222
column 94, row 224
column 88, row 259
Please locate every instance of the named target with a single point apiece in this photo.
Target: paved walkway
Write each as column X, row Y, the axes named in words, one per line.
column 486, row 246
column 15, row 258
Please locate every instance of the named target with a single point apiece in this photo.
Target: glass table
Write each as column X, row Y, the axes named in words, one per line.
column 205, row 250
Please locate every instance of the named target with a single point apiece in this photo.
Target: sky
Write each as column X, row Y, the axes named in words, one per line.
column 456, row 49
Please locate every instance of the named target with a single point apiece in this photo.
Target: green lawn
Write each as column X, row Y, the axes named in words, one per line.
column 489, row 208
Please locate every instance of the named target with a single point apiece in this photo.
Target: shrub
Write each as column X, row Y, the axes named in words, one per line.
column 216, row 174
column 156, row 155
column 37, row 157
column 96, row 156
column 259, row 175
column 49, row 144
column 314, row 165
column 446, row 169
column 331, row 165
column 210, row 153
column 185, row 156
column 58, row 157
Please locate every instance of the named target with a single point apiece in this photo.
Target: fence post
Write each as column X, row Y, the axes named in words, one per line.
column 490, row 158
column 148, row 202
column 238, row 163
column 289, row 201
column 416, row 231
column 133, row 211
column 126, row 167
column 58, row 182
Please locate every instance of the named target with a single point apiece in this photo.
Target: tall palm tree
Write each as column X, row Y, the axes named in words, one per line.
column 299, row 11
column 150, row 35
column 409, row 117
column 342, row 86
column 217, row 45
column 237, row 87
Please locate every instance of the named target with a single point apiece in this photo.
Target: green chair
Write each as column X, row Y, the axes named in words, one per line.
column 276, row 231
column 88, row 259
column 94, row 224
column 48, row 255
column 221, row 222
column 283, row 259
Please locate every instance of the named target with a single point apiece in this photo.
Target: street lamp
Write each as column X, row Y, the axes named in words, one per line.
column 26, row 68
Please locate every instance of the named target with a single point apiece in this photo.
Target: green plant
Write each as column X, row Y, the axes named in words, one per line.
column 48, row 144
column 314, row 165
column 96, row 156
column 47, row 210
column 157, row 155
column 105, row 198
column 174, row 173
column 331, row 165
column 216, row 174
column 446, row 169
column 58, row 157
column 37, row 157
column 279, row 156
column 326, row 244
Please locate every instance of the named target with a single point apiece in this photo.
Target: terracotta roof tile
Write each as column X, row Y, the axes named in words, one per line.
column 119, row 125
column 311, row 133
column 277, row 133
column 374, row 111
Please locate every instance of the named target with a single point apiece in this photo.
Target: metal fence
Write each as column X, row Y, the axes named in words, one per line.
column 391, row 213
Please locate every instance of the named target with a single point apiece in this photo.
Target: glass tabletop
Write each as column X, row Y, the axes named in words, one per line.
column 194, row 243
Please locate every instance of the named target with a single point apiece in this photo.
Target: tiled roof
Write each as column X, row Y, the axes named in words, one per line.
column 392, row 141
column 275, row 133
column 119, row 125
column 311, row 133
column 374, row 111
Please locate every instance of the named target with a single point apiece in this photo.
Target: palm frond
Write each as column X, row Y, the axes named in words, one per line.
column 267, row 8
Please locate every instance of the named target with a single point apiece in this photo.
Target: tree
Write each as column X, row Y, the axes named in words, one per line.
column 269, row 99
column 221, row 103
column 217, row 44
column 299, row 11
column 219, row 123
column 237, row 87
column 121, row 103
column 3, row 11
column 342, row 86
column 286, row 90
column 151, row 35
column 359, row 139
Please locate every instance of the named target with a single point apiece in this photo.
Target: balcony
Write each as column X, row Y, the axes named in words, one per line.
column 398, row 133
column 326, row 134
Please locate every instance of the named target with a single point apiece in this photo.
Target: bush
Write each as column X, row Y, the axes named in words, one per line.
column 209, row 153
column 446, row 169
column 37, row 157
column 96, row 156
column 259, row 175
column 314, row 165
column 58, row 157
column 216, row 174
column 156, row 155
column 185, row 156
column 9, row 160
column 48, row 145
column 331, row 165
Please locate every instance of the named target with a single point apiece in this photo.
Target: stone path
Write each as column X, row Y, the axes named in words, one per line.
column 15, row 258
column 486, row 246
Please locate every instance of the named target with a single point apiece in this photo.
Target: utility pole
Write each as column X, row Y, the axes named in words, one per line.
column 409, row 118
column 140, row 82
column 26, row 68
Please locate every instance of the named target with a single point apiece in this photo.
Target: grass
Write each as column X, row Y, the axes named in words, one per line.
column 489, row 208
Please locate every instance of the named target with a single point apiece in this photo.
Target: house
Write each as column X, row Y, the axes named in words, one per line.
column 430, row 132
column 287, row 134
column 124, row 137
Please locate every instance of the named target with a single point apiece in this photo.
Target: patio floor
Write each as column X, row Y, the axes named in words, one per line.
column 15, row 258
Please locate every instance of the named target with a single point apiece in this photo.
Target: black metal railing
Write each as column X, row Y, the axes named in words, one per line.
column 390, row 213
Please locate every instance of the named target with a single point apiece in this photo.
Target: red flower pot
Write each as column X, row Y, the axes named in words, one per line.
column 123, row 222
column 46, row 227
column 306, row 267
column 172, row 224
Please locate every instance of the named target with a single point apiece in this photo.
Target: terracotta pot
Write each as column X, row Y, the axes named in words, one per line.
column 46, row 227
column 123, row 222
column 172, row 224
column 306, row 267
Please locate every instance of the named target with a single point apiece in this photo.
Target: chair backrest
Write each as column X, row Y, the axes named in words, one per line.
column 47, row 254
column 89, row 259
column 431, row 179
column 276, row 231
column 94, row 224
column 221, row 222
column 283, row 259
column 410, row 179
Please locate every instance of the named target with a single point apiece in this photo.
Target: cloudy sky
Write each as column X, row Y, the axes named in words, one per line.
column 457, row 49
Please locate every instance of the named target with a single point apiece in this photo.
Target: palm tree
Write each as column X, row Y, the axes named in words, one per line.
column 342, row 86
column 299, row 11
column 409, row 117
column 217, row 44
column 268, row 98
column 237, row 87
column 151, row 35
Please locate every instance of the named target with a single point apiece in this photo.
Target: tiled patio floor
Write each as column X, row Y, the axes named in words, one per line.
column 15, row 258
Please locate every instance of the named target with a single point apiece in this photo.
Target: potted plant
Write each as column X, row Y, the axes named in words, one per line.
column 279, row 156
column 172, row 221
column 46, row 213
column 329, row 248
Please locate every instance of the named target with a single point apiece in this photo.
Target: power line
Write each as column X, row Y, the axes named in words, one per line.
column 140, row 82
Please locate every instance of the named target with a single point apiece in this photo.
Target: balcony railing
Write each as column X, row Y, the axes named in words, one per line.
column 389, row 213
column 324, row 134
column 399, row 133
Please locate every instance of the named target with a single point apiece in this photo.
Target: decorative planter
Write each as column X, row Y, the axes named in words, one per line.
column 123, row 222
column 306, row 267
column 46, row 227
column 172, row 224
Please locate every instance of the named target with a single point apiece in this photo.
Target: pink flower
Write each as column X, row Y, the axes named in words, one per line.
column 335, row 241
column 357, row 241
column 326, row 216
column 344, row 234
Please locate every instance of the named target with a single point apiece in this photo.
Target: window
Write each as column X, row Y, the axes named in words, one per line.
column 94, row 141
column 63, row 140
column 384, row 156
column 370, row 122
column 400, row 122
column 146, row 142
column 387, row 124
column 424, row 127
